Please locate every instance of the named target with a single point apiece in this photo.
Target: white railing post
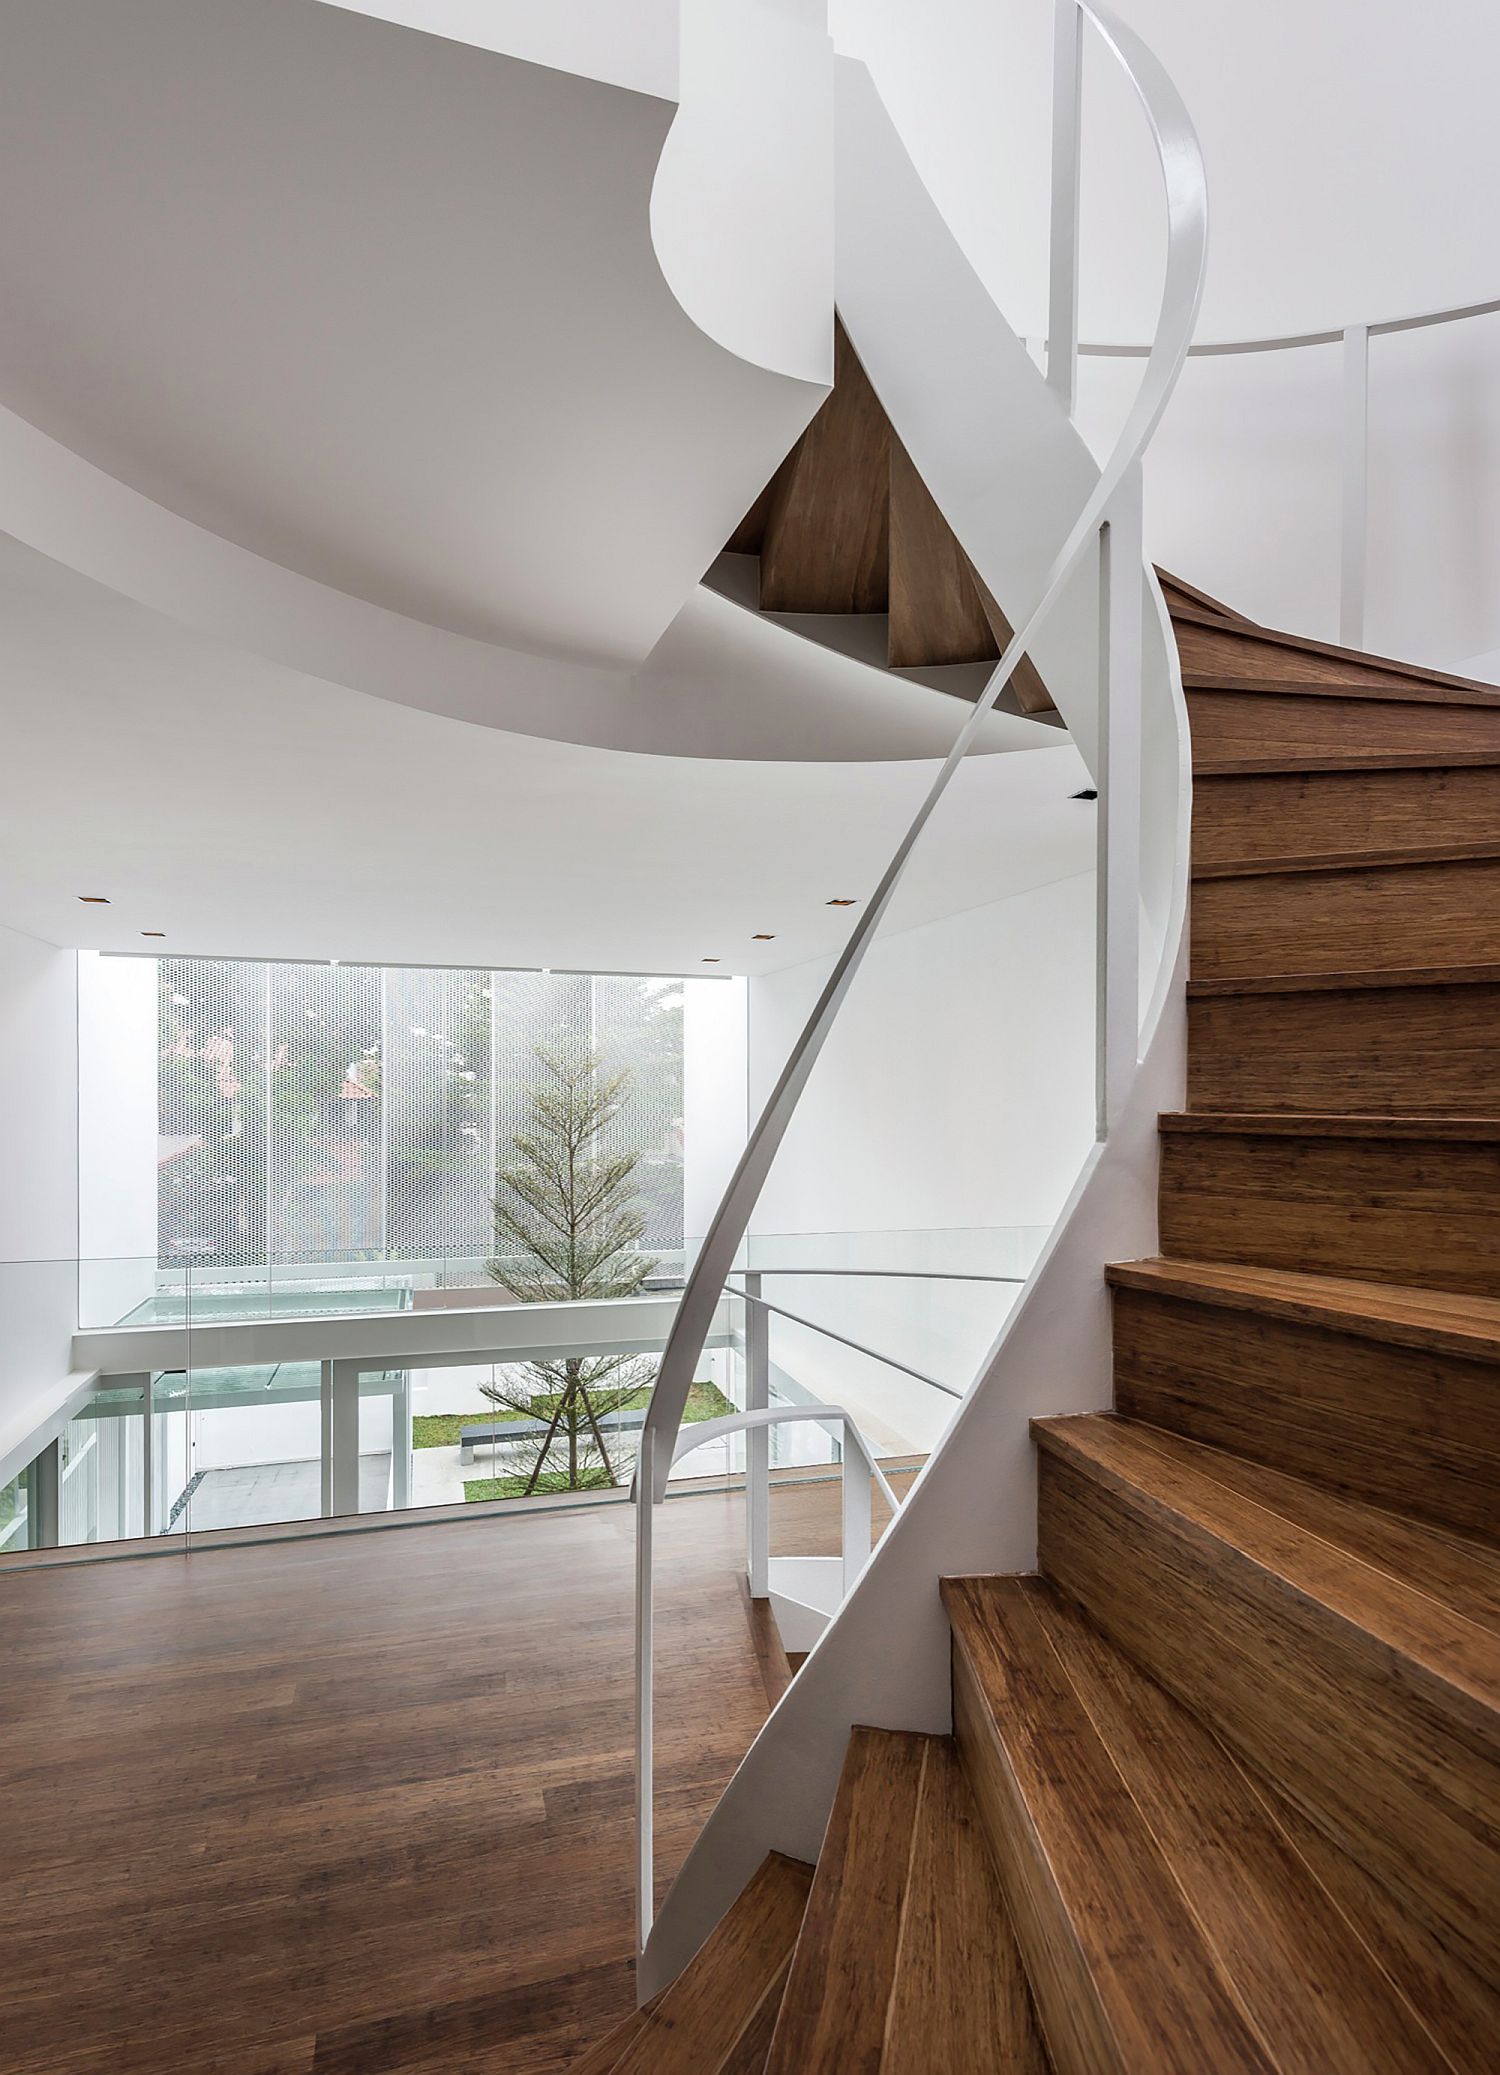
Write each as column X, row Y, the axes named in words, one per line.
column 757, row 1442
column 1062, row 296
column 645, row 1514
column 1121, row 561
column 148, row 1456
column 858, row 1516
column 1354, row 486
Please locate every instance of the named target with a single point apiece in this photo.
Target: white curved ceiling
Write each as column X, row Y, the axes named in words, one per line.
column 1352, row 150
column 247, row 810
column 380, row 307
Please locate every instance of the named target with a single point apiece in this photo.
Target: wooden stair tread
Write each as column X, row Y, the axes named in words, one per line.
column 1418, row 691
column 1315, row 1124
column 1335, row 1564
column 716, row 2016
column 1141, row 1821
column 1345, row 982
column 906, row 1960
column 1443, row 1321
column 1313, row 666
column 1347, row 860
column 1283, row 763
column 1190, row 599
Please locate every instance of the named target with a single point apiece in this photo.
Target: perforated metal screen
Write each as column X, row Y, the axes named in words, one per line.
column 314, row 1112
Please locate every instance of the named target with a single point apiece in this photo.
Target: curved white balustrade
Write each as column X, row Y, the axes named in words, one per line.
column 1354, row 431
column 1109, row 1204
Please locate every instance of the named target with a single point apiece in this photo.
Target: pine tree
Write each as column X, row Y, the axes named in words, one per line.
column 569, row 1225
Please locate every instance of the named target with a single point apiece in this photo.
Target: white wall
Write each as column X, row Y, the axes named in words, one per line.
column 1243, row 486
column 117, row 1135
column 1351, row 151
column 38, row 1175
column 715, row 1072
column 943, row 1126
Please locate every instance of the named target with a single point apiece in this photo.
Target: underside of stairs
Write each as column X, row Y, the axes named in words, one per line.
column 1223, row 1792
column 847, row 530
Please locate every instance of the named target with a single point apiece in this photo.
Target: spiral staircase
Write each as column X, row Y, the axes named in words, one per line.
column 1223, row 1788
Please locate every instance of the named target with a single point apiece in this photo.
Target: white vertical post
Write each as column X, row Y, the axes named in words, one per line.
column 757, row 1443
column 1355, row 498
column 325, row 1456
column 343, row 1436
column 1121, row 565
column 1062, row 297
column 858, row 1517
column 645, row 1850
column 401, row 1441
column 44, row 1499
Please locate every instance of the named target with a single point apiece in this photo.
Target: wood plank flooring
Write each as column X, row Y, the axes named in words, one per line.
column 360, row 1803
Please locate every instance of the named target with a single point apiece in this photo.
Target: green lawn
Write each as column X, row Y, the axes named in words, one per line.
column 705, row 1401
column 550, row 1481
column 441, row 1429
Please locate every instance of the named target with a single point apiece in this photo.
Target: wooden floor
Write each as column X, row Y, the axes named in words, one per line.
column 343, row 1806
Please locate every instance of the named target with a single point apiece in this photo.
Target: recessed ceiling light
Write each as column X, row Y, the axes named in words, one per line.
column 764, row 936
column 153, row 932
column 95, row 900
column 843, row 904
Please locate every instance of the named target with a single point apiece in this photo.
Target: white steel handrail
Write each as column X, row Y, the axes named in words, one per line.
column 890, row 1274
column 1354, row 441
column 1209, row 349
column 1181, row 162
column 702, row 1431
column 856, row 1513
column 795, row 1318
column 1182, row 293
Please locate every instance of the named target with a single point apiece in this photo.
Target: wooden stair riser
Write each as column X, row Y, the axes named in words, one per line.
column 826, row 539
column 1122, row 1789
column 1064, row 1829
column 1305, row 814
column 1398, row 1765
column 1370, row 918
column 1413, row 1051
column 1397, row 1426
column 1210, row 647
column 1386, row 1209
column 1290, row 731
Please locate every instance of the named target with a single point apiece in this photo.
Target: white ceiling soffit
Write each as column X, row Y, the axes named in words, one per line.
column 249, row 811
column 634, row 46
column 381, row 308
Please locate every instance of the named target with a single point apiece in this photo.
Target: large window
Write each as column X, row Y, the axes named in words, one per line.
column 321, row 1112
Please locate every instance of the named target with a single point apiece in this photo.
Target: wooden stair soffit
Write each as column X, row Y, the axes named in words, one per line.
column 846, row 525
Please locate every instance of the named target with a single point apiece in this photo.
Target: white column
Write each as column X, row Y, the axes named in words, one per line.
column 858, row 1518
column 401, row 1442
column 757, row 1443
column 1355, row 499
column 44, row 1496
column 340, row 1400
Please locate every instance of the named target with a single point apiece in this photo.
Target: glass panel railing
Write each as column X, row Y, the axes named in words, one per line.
column 221, row 1397
column 138, row 1291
